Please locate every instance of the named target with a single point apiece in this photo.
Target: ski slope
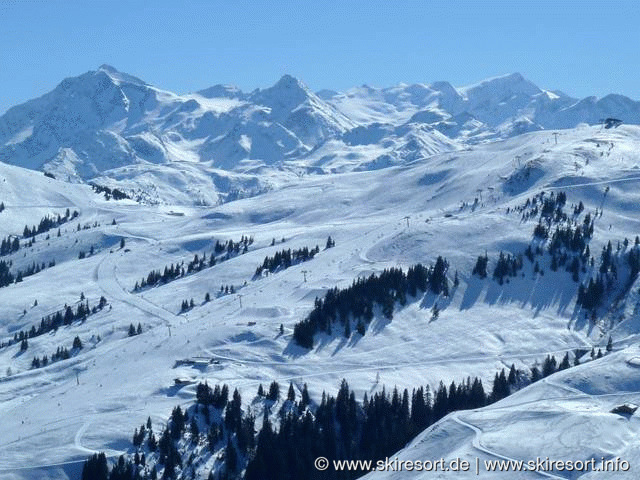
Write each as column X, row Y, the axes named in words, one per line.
column 53, row 417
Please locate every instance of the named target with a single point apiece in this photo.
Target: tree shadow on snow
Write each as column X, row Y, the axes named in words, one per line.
column 430, row 299
column 552, row 290
column 293, row 350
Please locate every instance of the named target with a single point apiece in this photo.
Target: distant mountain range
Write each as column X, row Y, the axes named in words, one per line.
column 111, row 125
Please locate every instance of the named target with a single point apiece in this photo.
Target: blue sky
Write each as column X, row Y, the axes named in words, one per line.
column 583, row 48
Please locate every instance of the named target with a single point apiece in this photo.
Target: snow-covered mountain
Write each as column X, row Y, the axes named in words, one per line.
column 106, row 119
column 110, row 125
column 396, row 177
column 502, row 106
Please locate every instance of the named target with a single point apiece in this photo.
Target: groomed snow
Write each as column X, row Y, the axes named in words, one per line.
column 57, row 415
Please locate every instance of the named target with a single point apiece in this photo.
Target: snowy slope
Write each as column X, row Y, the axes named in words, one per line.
column 53, row 417
column 567, row 417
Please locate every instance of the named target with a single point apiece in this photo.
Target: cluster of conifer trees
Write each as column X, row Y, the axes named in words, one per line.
column 109, row 193
column 173, row 272
column 286, row 445
column 187, row 305
column 11, row 245
column 133, row 331
column 47, row 223
column 568, row 246
column 7, row 277
column 507, row 265
column 62, row 353
column 65, row 316
column 591, row 293
column 285, row 258
column 549, row 207
column 357, row 301
column 337, row 428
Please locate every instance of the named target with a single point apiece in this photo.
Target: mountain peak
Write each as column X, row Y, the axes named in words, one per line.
column 510, row 83
column 515, row 76
column 284, row 96
column 119, row 77
column 289, row 81
column 105, row 67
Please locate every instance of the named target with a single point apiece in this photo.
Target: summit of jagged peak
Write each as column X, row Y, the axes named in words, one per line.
column 288, row 86
column 284, row 96
column 119, row 77
column 289, row 81
column 513, row 83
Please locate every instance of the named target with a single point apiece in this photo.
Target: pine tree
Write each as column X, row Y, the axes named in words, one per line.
column 195, row 431
column 274, row 391
column 152, row 443
column 513, row 375
column 549, row 366
column 609, row 344
column 96, row 468
column 305, row 400
column 330, row 243
column 564, row 364
column 535, row 374
column 500, row 387
column 480, row 268
column 291, row 394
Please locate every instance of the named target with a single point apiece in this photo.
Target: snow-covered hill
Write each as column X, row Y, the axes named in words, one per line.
column 457, row 204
